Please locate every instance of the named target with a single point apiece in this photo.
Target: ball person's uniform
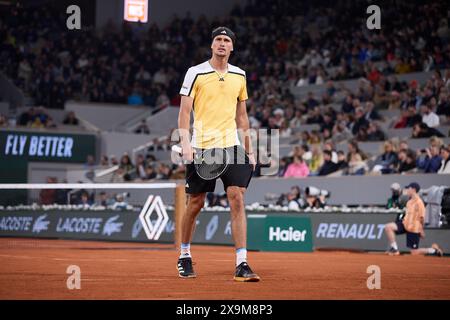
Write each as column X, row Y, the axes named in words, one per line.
column 215, row 101
column 411, row 225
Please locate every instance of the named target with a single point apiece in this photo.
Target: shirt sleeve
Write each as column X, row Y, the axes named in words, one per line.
column 243, row 93
column 189, row 87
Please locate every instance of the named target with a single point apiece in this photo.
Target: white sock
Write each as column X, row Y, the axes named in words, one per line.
column 394, row 245
column 431, row 250
column 185, row 250
column 241, row 255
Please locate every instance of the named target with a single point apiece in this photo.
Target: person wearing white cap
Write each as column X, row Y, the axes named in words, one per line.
column 394, row 200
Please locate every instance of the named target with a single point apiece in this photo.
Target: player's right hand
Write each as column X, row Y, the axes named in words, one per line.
column 188, row 153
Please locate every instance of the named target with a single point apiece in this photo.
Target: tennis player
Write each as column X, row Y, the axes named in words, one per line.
column 215, row 91
column 412, row 224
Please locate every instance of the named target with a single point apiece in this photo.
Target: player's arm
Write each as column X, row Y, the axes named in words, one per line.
column 421, row 215
column 184, row 118
column 243, row 127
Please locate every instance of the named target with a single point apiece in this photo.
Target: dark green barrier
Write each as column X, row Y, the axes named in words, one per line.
column 279, row 233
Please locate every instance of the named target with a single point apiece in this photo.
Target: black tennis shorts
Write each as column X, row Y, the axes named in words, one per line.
column 237, row 174
column 412, row 239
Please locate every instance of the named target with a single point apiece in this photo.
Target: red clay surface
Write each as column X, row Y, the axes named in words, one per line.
column 36, row 269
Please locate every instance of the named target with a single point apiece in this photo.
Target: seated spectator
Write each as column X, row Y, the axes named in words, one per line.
column 140, row 165
column 386, row 162
column 315, row 116
column 443, row 104
column 360, row 120
column 329, row 145
column 50, row 124
column 403, row 145
column 48, row 196
column 402, row 121
column 314, row 137
column 282, row 167
column 164, row 172
column 371, row 113
column 342, row 162
column 327, row 123
column 347, row 105
column 118, row 176
column 374, row 133
column 104, row 200
column 156, row 146
column 353, row 148
column 328, row 166
column 85, row 199
column 341, row 132
column 27, row 117
column 71, row 119
column 356, row 165
column 394, row 201
column 3, row 121
column 445, row 163
column 114, row 161
column 125, row 163
column 142, row 128
column 413, row 116
column 428, row 160
column 104, row 161
column 430, row 118
column 150, row 173
column 297, row 169
column 40, row 118
column 407, row 161
column 311, row 101
column 395, row 101
column 285, row 131
column 90, row 162
column 421, row 130
column 362, row 134
column 316, row 159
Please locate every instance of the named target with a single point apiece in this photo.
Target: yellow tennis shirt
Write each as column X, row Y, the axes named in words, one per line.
column 215, row 100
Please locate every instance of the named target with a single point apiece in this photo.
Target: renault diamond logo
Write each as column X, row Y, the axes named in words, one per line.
column 153, row 204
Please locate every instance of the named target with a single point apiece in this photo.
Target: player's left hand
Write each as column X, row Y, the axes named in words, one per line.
column 422, row 234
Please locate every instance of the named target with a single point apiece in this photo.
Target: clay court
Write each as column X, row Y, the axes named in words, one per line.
column 36, row 269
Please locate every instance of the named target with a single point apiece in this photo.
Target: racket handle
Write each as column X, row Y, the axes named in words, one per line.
column 177, row 149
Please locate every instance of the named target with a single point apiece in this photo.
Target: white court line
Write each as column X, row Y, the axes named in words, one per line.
column 7, row 186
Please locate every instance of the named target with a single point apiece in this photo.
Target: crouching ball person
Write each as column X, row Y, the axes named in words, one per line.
column 412, row 224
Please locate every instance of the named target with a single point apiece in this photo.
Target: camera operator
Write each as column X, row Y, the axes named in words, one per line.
column 293, row 199
column 394, row 200
column 316, row 198
column 120, row 203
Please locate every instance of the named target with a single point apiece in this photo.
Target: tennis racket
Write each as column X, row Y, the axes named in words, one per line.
column 210, row 163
